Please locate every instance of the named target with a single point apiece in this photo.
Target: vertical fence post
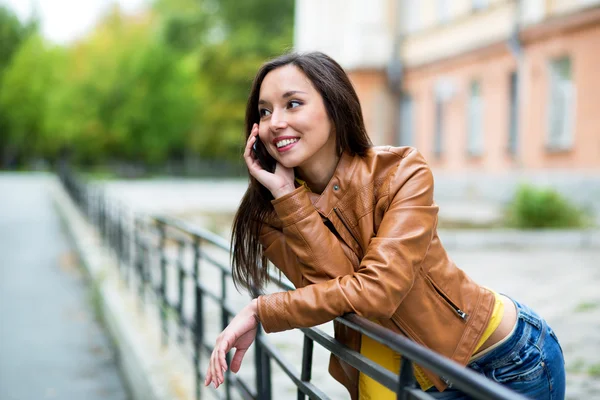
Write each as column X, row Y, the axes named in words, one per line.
column 307, row 359
column 180, row 290
column 262, row 367
column 128, row 234
column 224, row 323
column 139, row 261
column 199, row 317
column 164, row 304
column 121, row 236
column 406, row 379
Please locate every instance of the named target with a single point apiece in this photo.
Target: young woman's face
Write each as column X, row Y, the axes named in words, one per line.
column 294, row 125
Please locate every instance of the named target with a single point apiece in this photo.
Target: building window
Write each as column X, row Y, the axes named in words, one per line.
column 561, row 105
column 444, row 91
column 443, row 11
column 439, row 128
column 406, row 134
column 513, row 115
column 479, row 4
column 475, row 120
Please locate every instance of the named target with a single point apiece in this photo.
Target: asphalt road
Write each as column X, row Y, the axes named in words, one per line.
column 51, row 346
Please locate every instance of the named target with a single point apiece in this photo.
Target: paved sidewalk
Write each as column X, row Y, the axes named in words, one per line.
column 51, row 346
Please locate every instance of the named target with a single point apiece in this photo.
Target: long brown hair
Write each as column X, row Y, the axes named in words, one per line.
column 250, row 265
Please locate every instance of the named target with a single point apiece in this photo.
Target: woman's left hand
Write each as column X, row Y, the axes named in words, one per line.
column 239, row 334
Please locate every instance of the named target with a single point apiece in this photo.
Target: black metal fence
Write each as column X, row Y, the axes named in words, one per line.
column 179, row 248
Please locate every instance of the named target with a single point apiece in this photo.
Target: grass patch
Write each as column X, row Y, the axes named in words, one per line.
column 594, row 370
column 586, row 306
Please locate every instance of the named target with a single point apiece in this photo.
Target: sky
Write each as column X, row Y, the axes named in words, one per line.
column 66, row 20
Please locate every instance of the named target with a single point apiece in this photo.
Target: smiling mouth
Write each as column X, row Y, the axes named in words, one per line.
column 286, row 142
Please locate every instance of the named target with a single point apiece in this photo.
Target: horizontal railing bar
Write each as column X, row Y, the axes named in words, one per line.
column 354, row 358
column 462, row 378
column 173, row 307
column 228, row 308
column 239, row 386
column 195, row 231
column 174, row 262
column 175, row 237
column 306, row 387
column 216, row 263
column 242, row 388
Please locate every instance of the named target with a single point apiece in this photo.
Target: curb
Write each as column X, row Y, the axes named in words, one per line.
column 151, row 371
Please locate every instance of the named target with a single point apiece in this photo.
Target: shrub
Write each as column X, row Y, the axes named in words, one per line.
column 534, row 207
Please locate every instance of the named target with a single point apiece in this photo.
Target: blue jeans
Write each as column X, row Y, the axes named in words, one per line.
column 529, row 362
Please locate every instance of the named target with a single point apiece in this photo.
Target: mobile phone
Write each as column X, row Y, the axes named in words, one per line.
column 263, row 157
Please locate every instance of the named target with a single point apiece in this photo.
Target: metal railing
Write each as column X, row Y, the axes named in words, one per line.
column 134, row 239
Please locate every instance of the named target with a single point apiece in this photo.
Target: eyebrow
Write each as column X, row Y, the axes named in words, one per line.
column 287, row 94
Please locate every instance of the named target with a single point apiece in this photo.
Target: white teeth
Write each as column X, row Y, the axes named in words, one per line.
column 286, row 142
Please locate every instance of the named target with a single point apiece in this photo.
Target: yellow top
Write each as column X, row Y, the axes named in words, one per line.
column 389, row 359
column 371, row 389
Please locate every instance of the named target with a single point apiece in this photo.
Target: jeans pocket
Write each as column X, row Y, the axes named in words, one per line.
column 526, row 365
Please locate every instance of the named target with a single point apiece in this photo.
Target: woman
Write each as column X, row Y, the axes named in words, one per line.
column 353, row 227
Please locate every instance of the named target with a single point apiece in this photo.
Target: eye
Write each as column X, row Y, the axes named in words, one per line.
column 263, row 112
column 294, row 103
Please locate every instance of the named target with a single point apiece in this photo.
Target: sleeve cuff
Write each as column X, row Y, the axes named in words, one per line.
column 272, row 312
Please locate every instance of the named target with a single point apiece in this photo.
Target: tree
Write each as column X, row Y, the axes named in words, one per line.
column 12, row 34
column 126, row 95
column 232, row 39
column 26, row 83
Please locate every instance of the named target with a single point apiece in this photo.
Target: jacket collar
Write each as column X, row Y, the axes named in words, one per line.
column 338, row 185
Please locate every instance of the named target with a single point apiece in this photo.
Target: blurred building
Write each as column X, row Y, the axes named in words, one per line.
column 492, row 87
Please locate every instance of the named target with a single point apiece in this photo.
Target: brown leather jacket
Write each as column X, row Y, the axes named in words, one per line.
column 369, row 245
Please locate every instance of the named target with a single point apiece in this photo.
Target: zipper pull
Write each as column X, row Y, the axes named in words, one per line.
column 462, row 314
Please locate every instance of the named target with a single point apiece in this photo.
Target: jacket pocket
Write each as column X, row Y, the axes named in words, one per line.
column 445, row 299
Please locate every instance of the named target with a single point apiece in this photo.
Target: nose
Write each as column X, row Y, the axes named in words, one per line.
column 278, row 120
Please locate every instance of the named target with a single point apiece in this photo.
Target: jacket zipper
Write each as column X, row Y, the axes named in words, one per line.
column 463, row 315
column 339, row 215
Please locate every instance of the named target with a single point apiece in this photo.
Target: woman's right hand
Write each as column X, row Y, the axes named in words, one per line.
column 280, row 182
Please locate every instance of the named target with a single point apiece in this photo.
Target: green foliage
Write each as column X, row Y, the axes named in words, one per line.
column 165, row 84
column 27, row 82
column 534, row 207
column 12, row 34
column 232, row 39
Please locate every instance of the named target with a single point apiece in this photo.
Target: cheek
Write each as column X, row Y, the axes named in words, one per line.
column 263, row 133
column 324, row 123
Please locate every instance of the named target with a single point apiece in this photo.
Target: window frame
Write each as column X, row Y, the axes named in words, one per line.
column 561, row 105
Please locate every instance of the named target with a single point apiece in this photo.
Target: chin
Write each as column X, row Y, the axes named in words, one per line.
column 290, row 160
column 289, row 163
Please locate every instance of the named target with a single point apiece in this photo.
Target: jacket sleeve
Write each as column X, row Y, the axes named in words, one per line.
column 386, row 272
column 303, row 246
